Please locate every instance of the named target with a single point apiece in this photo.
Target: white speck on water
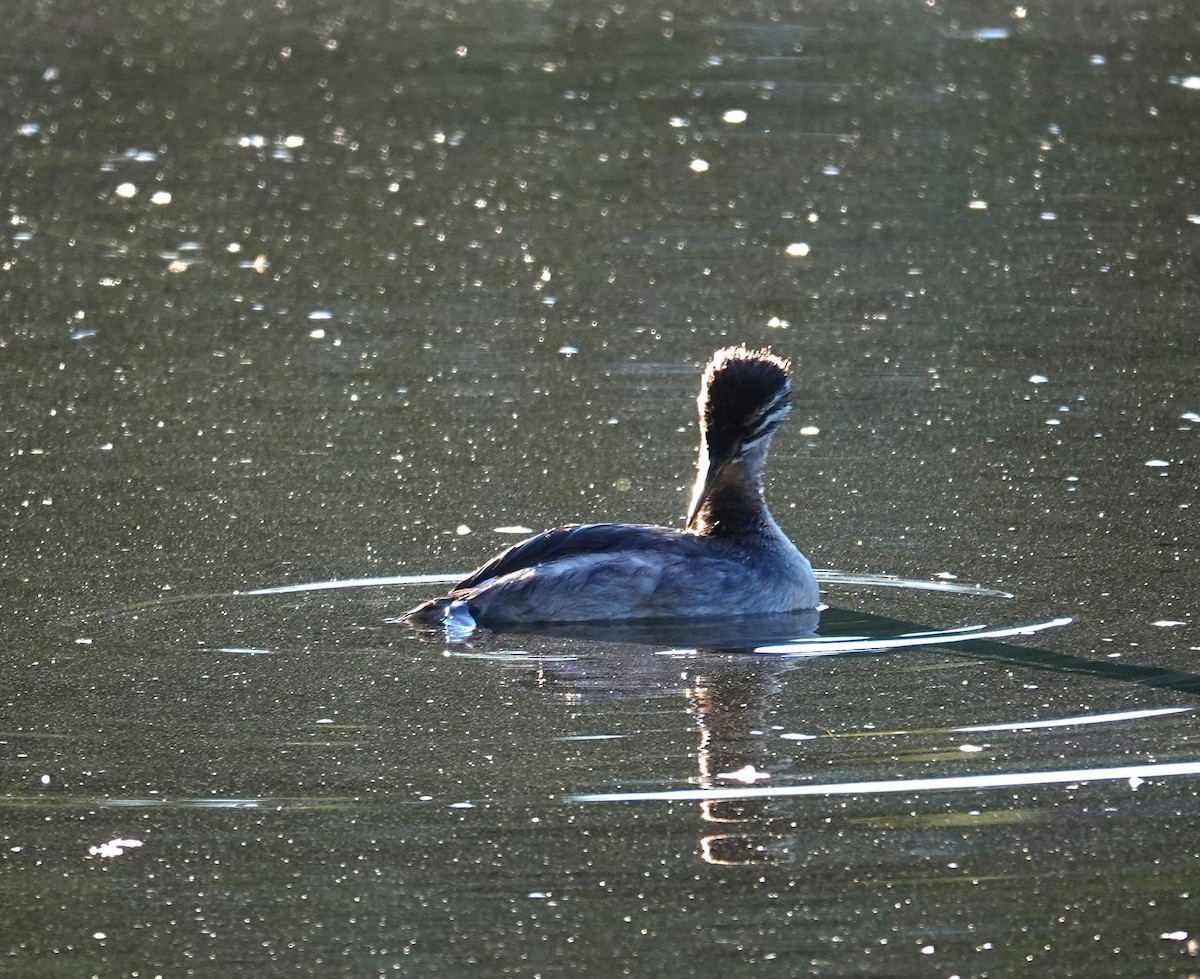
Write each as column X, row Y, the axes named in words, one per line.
column 592, row 737
column 293, row 142
column 324, row 720
column 775, row 323
column 1135, row 781
column 29, row 129
column 831, row 171
column 462, row 805
column 126, row 190
column 678, row 122
column 111, row 849
column 320, row 314
column 1157, row 463
column 568, row 351
column 513, row 529
column 735, row 117
column 134, row 155
column 946, row 576
column 977, row 205
column 990, row 34
column 50, row 74
column 1048, row 216
column 747, row 775
column 798, row 737
column 1039, row 379
column 1168, row 623
column 698, row 166
column 83, row 641
column 161, row 197
column 970, row 748
column 45, row 780
column 99, row 936
column 1190, row 416
column 928, row 950
column 797, row 249
column 1053, row 421
column 1097, row 59
column 317, row 334
column 1174, row 936
column 462, row 530
column 1188, row 81
column 84, row 333
column 810, row 430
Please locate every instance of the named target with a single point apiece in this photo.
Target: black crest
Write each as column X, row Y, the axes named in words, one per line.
column 743, row 391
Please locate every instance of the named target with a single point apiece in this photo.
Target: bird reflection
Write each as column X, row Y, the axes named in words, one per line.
column 728, row 692
column 729, row 705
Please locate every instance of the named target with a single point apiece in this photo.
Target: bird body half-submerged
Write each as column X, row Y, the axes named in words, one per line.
column 730, row 559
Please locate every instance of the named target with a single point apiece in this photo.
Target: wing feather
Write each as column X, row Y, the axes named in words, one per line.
column 575, row 540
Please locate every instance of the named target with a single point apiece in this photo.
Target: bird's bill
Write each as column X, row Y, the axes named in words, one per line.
column 710, row 472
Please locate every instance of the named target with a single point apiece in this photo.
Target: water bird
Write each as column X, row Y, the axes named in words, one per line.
column 730, row 559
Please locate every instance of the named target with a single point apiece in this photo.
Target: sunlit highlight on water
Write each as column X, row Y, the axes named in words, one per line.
column 824, row 576
column 831, row 646
column 1134, row 774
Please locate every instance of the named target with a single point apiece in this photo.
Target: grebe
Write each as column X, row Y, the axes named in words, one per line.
column 730, row 559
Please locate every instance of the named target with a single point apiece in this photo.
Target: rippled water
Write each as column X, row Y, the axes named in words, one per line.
column 310, row 295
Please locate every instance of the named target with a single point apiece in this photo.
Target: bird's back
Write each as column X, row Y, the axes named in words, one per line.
column 605, row 571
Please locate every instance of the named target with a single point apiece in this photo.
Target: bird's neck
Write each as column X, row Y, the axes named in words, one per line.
column 735, row 505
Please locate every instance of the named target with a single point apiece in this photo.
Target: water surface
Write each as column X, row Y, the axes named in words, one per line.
column 309, row 293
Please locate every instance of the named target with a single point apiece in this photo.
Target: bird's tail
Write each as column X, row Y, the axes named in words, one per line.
column 432, row 612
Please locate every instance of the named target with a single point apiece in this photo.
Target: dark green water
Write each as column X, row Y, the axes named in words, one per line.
column 306, row 291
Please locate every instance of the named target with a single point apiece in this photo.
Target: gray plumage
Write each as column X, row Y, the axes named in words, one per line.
column 730, row 559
